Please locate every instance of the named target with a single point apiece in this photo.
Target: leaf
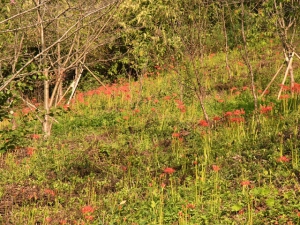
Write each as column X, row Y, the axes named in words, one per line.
column 236, row 207
column 270, row 202
column 123, row 202
column 153, row 204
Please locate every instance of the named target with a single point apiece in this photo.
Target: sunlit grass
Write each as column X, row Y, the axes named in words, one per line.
column 142, row 153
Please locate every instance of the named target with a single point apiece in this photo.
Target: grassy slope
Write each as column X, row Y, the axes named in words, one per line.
column 106, row 161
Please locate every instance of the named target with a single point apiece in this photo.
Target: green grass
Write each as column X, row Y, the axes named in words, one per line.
column 105, row 161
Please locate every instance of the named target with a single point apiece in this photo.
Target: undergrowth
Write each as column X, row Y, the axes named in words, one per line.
column 142, row 153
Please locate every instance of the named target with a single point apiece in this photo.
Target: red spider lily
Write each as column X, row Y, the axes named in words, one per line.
column 26, row 110
column 128, row 97
column 49, row 192
column 124, row 168
column 215, row 168
column 90, row 93
column 167, row 98
column 155, row 101
column 296, row 88
column 233, row 89
column 66, row 107
column 179, row 102
column 29, row 151
column 89, row 217
column 153, row 109
column 80, row 97
column 136, row 110
column 220, row 100
column 217, row 118
column 228, row 113
column 63, row 222
column 87, row 209
column 190, row 206
column 245, row 183
column 265, row 109
column 240, row 63
column 157, row 67
column 175, row 134
column 283, row 159
column 169, row 170
column 126, row 117
column 35, row 136
column 239, row 112
column 284, row 87
column 183, row 110
column 237, row 119
column 124, row 89
column 245, row 88
column 181, row 106
column 203, row 123
column 163, row 185
column 284, row 97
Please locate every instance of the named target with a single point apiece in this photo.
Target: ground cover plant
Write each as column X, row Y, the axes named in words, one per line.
column 142, row 152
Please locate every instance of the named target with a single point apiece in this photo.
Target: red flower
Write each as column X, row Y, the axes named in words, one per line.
column 217, row 118
column 239, row 112
column 233, row 89
column 228, row 114
column 283, row 159
column 26, row 110
column 124, row 168
column 245, row 182
column 215, row 168
column 237, row 119
column 203, row 123
column 284, row 96
column 284, row 87
column 29, row 151
column 35, row 136
column 87, row 209
column 190, row 206
column 66, row 107
column 89, row 217
column 265, row 109
column 136, row 110
column 169, row 170
column 176, row 134
column 296, row 88
column 63, row 222
column 49, row 192
column 167, row 98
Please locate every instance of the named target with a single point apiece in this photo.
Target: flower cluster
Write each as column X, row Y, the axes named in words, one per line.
column 235, row 116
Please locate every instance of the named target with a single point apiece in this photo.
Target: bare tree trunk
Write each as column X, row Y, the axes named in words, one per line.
column 43, row 64
column 246, row 59
column 226, row 42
